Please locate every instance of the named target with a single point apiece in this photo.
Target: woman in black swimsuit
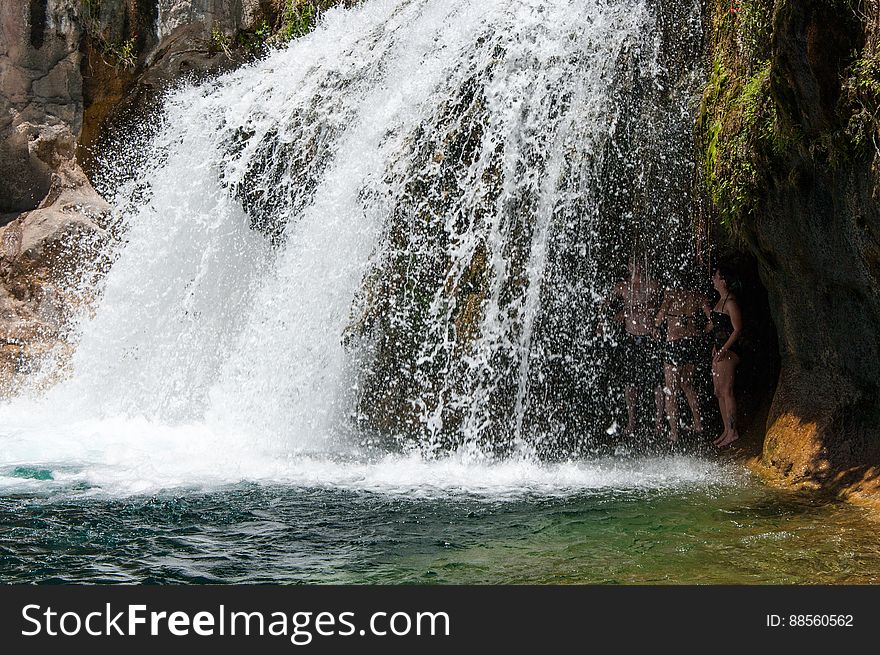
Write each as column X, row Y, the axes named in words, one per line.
column 726, row 326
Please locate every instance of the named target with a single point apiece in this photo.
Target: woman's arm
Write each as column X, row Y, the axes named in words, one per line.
column 707, row 310
column 608, row 304
column 663, row 311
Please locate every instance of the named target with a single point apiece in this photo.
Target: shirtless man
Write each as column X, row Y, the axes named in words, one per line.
column 642, row 363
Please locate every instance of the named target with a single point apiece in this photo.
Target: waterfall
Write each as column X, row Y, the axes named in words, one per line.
column 396, row 232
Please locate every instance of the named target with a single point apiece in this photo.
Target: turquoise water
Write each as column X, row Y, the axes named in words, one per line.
column 724, row 528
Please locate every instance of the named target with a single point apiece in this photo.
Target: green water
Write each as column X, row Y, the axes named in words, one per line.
column 733, row 532
column 30, row 473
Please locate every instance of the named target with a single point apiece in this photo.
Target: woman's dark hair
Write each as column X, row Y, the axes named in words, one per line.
column 729, row 277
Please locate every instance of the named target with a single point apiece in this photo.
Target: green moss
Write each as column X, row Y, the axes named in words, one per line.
column 861, row 94
column 299, row 17
column 741, row 135
column 748, row 143
column 738, row 122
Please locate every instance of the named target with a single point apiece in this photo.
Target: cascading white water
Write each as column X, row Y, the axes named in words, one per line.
column 372, row 231
column 560, row 136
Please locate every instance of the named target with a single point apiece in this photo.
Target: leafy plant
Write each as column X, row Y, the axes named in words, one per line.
column 221, row 41
column 298, row 18
column 125, row 53
column 257, row 40
column 119, row 54
column 861, row 91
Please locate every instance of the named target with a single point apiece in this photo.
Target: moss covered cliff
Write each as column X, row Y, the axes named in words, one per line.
column 790, row 138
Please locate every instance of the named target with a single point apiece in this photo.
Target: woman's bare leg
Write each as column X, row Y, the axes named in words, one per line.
column 659, row 401
column 631, row 396
column 671, row 377
column 727, row 370
column 722, row 400
column 687, row 387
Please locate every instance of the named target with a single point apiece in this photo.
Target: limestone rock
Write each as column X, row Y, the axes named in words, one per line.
column 68, row 70
column 48, row 258
column 51, row 243
column 40, row 97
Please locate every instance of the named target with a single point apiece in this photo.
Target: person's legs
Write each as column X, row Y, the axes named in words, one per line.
column 630, row 394
column 726, row 368
column 629, row 372
column 690, row 393
column 671, row 393
column 658, row 409
column 716, row 384
column 656, row 369
column 656, row 377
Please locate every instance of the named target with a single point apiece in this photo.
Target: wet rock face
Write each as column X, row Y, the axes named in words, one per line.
column 49, row 47
column 227, row 14
column 814, row 42
column 50, row 234
column 70, row 69
column 817, row 238
column 826, row 308
column 40, row 97
column 134, row 49
column 44, row 256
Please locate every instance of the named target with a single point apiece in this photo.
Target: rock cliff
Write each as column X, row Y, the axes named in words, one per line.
column 789, row 134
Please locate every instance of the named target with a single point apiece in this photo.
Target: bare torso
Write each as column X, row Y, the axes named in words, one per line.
column 640, row 296
column 681, row 310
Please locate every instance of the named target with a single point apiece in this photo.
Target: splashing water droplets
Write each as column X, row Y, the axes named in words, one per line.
column 394, row 233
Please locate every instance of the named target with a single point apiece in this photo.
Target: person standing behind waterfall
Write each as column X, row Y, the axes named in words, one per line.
column 680, row 311
column 726, row 325
column 641, row 350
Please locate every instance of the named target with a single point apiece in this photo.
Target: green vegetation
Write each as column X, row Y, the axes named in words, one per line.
column 291, row 19
column 257, row 40
column 738, row 121
column 116, row 53
column 295, row 18
column 861, row 91
column 748, row 140
column 123, row 54
column 299, row 17
column 220, row 41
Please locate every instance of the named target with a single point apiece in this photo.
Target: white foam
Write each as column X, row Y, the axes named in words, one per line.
column 134, row 456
